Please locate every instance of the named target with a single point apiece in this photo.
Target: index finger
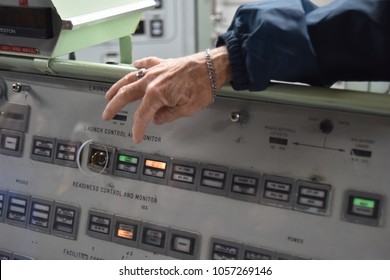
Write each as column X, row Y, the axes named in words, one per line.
column 126, row 94
column 126, row 80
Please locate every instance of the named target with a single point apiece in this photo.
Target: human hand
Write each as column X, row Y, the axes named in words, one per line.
column 170, row 89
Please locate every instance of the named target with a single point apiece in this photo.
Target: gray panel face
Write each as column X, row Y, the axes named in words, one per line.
column 313, row 223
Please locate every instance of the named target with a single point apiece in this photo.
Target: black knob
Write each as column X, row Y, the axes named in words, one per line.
column 326, row 126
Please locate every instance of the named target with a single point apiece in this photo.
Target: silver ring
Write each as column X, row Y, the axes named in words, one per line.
column 141, row 73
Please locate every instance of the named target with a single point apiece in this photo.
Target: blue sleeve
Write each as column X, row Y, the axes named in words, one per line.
column 293, row 40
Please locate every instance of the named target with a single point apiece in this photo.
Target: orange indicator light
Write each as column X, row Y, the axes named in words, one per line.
column 156, row 164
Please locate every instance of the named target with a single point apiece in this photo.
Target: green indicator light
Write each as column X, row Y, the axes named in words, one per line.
column 128, row 159
column 364, row 203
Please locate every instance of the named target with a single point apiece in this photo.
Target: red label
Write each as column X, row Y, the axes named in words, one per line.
column 17, row 49
column 23, row 2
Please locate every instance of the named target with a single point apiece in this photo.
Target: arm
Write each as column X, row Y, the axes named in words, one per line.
column 293, row 41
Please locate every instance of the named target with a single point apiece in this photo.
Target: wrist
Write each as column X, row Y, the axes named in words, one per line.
column 220, row 59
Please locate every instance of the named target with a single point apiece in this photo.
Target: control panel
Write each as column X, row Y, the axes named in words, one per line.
column 243, row 179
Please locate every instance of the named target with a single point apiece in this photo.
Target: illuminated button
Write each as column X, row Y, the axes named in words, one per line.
column 127, row 164
column 363, row 208
column 155, row 169
column 126, row 231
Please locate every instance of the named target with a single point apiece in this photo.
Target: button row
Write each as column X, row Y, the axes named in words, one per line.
column 159, row 239
column 52, row 150
column 217, row 180
column 222, row 249
column 39, row 214
column 289, row 193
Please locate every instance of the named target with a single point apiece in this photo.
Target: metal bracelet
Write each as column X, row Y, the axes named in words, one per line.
column 210, row 69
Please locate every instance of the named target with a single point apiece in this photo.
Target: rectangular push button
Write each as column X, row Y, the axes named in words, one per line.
column 126, row 231
column 154, row 238
column 183, row 174
column 42, row 149
column 66, row 153
column 225, row 250
column 183, row 244
column 17, row 209
column 11, row 143
column 155, row 169
column 99, row 224
column 214, row 179
column 40, row 214
column 363, row 208
column 65, row 220
column 127, row 164
column 245, row 185
column 277, row 191
column 313, row 198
